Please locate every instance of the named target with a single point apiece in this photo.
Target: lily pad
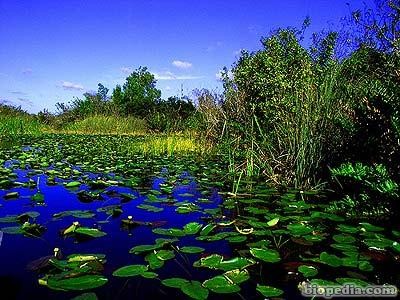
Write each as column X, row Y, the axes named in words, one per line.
column 308, row 271
column 269, row 291
column 80, row 283
column 267, row 255
column 221, row 285
column 191, row 250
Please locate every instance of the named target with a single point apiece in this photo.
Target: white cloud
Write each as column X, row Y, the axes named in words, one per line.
column 182, row 64
column 171, row 76
column 126, row 70
column 167, row 88
column 70, row 86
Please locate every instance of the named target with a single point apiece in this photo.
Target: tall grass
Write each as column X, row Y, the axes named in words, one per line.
column 169, row 145
column 300, row 136
column 100, row 124
column 12, row 125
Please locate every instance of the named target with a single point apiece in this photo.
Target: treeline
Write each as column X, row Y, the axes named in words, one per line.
column 138, row 98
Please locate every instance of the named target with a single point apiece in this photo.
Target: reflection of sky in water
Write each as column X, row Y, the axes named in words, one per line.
column 17, row 251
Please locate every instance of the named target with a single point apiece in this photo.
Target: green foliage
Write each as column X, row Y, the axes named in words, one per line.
column 100, row 124
column 279, row 109
column 367, row 190
column 138, row 95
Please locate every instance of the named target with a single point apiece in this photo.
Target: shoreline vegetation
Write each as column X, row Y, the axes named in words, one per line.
column 289, row 115
column 286, row 180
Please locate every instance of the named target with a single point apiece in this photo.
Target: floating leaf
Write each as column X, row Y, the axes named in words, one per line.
column 237, row 276
column 195, row 290
column 347, row 228
column 130, row 271
column 143, row 248
column 344, row 238
column 73, row 184
column 307, row 271
column 267, row 255
column 192, row 228
column 354, row 281
column 174, row 282
column 273, row 222
column 330, row 259
column 371, row 228
column 154, row 261
column 191, row 250
column 92, row 232
column 269, row 291
column 165, row 254
column 299, row 229
column 169, row 232
column 80, row 283
column 12, row 230
column 222, row 285
column 150, row 208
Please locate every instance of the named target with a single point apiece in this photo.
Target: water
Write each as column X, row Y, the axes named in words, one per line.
column 17, row 251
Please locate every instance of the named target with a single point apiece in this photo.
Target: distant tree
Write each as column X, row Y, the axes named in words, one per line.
column 102, row 92
column 117, row 96
column 139, row 94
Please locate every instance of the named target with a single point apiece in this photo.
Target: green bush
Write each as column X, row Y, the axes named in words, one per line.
column 367, row 191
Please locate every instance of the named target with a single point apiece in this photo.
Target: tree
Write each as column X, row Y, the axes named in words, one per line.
column 139, row 93
column 102, row 92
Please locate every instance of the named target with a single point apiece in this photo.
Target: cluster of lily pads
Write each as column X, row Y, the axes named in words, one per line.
column 265, row 229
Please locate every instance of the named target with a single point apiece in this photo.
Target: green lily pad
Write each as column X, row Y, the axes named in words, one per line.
column 192, row 228
column 154, row 261
column 344, row 238
column 174, row 282
column 347, row 228
column 267, row 255
column 273, row 222
column 308, row 271
column 144, row 248
column 130, row 271
column 80, row 283
column 355, row 281
column 150, row 208
column 330, row 259
column 371, row 228
column 221, row 285
column 169, row 232
column 299, row 229
column 195, row 290
column 237, row 276
column 92, row 232
column 191, row 250
column 269, row 291
column 73, row 184
column 165, row 254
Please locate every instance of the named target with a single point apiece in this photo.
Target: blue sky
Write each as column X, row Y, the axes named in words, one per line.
column 52, row 50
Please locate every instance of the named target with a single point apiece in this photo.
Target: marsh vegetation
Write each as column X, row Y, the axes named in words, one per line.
column 288, row 176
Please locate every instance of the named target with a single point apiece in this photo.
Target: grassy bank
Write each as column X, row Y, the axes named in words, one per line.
column 12, row 125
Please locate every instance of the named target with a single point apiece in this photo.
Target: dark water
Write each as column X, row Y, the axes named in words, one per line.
column 16, row 251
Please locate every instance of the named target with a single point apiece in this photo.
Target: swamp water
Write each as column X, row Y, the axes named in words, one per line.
column 134, row 227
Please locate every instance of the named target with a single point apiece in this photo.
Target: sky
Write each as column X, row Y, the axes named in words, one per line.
column 52, row 51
